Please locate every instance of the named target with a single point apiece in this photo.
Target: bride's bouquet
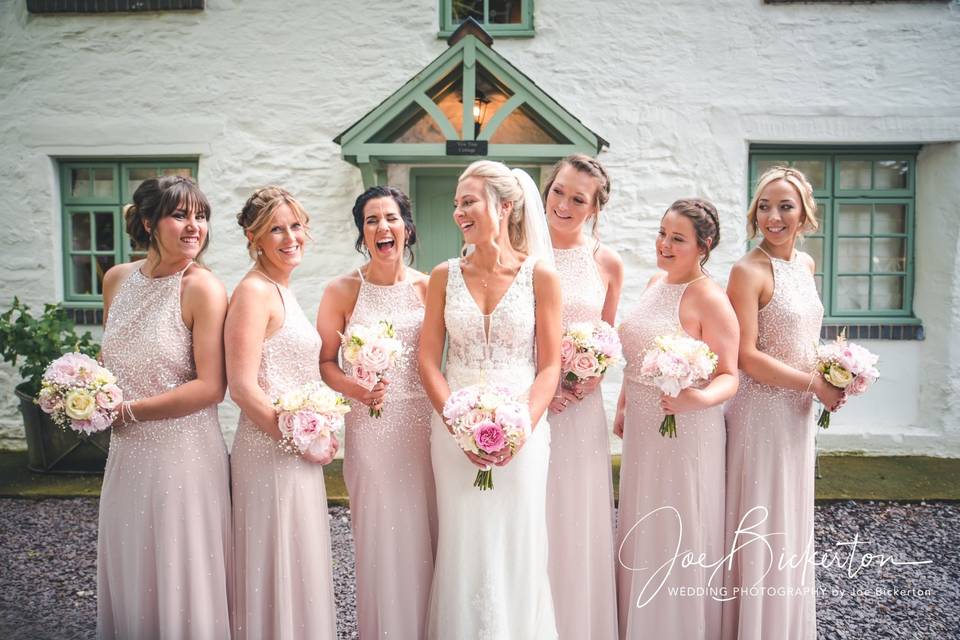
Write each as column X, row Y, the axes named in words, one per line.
column 587, row 350
column 371, row 350
column 676, row 363
column 847, row 366
column 79, row 393
column 307, row 417
column 485, row 420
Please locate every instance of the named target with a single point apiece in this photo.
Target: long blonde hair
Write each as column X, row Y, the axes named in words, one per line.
column 500, row 186
column 803, row 187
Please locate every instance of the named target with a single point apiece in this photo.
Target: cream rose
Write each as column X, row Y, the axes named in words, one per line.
column 838, row 377
column 79, row 405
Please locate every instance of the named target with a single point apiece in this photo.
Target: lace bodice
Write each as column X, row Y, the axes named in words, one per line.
column 400, row 305
column 788, row 327
column 657, row 313
column 582, row 286
column 508, row 356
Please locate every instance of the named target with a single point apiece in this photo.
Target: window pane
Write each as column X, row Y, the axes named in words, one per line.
column 889, row 254
column 853, row 293
column 819, row 280
column 505, row 11
column 104, row 231
column 764, row 164
column 81, row 275
column 889, row 218
column 463, row 9
column 185, row 172
column 855, row 174
column 816, row 172
column 814, row 246
column 103, row 263
column 136, row 176
column 854, row 219
column 80, row 230
column 853, row 255
column 887, row 293
column 103, row 183
column 890, row 174
column 79, row 182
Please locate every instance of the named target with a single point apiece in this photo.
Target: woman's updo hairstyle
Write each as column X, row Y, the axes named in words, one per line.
column 799, row 182
column 257, row 214
column 706, row 223
column 501, row 186
column 592, row 167
column 406, row 214
column 157, row 198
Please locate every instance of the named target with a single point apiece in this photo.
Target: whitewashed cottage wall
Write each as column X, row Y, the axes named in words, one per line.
column 258, row 90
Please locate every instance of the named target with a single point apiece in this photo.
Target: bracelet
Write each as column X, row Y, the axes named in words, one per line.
column 129, row 410
column 813, row 375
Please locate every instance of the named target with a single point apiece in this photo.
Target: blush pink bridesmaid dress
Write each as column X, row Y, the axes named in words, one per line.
column 164, row 556
column 284, row 587
column 579, row 486
column 671, row 495
column 770, row 474
column 389, row 478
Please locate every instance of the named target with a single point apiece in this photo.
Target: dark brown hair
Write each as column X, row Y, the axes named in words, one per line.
column 706, row 222
column 157, row 198
column 406, row 214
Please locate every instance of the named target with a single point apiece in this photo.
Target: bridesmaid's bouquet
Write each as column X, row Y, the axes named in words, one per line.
column 486, row 420
column 308, row 416
column 80, row 393
column 587, row 350
column 847, row 366
column 676, row 363
column 371, row 350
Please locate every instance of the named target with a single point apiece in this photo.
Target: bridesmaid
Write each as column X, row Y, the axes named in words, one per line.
column 671, row 489
column 284, row 585
column 580, row 488
column 163, row 546
column 770, row 428
column 387, row 460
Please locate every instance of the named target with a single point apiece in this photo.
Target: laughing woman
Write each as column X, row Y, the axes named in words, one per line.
column 387, row 459
column 580, row 488
column 280, row 522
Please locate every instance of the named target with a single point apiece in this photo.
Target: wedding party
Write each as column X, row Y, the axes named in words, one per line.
column 480, row 319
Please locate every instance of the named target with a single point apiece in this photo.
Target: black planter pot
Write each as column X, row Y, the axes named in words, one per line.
column 51, row 449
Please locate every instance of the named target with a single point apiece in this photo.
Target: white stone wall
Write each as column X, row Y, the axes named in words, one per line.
column 258, row 90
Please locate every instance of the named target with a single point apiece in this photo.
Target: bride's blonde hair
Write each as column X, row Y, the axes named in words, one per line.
column 500, row 186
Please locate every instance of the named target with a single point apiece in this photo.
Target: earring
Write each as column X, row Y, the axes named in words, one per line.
column 259, row 251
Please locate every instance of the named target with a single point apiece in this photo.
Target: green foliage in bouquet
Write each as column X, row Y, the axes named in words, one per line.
column 36, row 342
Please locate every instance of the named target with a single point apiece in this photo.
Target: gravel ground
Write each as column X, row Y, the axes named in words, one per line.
column 48, row 570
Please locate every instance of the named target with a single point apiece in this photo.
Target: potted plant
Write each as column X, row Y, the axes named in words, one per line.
column 34, row 343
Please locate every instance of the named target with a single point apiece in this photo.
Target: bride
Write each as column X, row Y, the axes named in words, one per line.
column 499, row 309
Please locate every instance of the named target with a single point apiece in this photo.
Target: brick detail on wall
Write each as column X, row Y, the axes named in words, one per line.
column 874, row 331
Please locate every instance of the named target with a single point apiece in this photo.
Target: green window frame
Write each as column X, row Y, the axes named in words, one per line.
column 452, row 12
column 92, row 194
column 864, row 247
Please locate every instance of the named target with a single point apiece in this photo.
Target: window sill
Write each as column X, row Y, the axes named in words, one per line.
column 909, row 329
column 112, row 6
column 508, row 33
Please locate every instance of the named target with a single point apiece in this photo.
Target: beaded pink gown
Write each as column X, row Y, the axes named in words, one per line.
column 164, row 557
column 579, row 486
column 671, row 495
column 281, row 527
column 390, row 479
column 770, row 473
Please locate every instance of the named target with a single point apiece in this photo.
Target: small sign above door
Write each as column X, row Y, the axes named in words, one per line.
column 466, row 147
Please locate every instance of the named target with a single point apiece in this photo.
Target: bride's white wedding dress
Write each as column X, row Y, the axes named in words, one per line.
column 490, row 578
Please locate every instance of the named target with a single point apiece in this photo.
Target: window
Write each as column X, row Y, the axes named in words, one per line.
column 497, row 17
column 111, row 6
column 864, row 246
column 94, row 235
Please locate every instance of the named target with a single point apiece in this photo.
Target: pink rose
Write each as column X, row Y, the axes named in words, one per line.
column 472, row 419
column 71, row 368
column 365, row 377
column 48, row 400
column 374, row 357
column 649, row 368
column 100, row 421
column 584, row 365
column 289, row 423
column 859, row 385
column 320, row 445
column 489, row 437
column 83, row 426
column 567, row 350
column 109, row 397
column 513, row 417
column 309, row 428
